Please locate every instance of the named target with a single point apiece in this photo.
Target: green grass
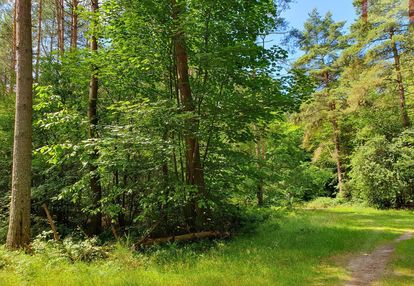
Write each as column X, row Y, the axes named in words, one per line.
column 401, row 272
column 302, row 248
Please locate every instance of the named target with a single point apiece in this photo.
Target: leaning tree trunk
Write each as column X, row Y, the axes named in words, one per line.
column 194, row 167
column 19, row 222
column 400, row 84
column 95, row 224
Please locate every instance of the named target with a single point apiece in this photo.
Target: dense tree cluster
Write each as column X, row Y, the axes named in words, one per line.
column 360, row 114
column 159, row 118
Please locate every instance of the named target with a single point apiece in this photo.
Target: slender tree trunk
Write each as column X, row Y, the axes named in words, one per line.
column 260, row 156
column 401, row 89
column 74, row 26
column 260, row 187
column 95, row 185
column 194, row 167
column 14, row 49
column 411, row 11
column 195, row 174
column 336, row 138
column 337, row 142
column 39, row 38
column 60, row 17
column 52, row 36
column 19, row 222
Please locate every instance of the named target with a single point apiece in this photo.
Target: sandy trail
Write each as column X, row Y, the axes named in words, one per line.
column 369, row 267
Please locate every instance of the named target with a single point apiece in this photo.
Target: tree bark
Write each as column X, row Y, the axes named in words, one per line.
column 195, row 173
column 60, row 17
column 19, row 222
column 365, row 10
column 74, row 26
column 411, row 11
column 400, row 84
column 194, row 167
column 337, row 142
column 336, row 137
column 95, row 226
column 260, row 156
column 14, row 49
column 39, row 38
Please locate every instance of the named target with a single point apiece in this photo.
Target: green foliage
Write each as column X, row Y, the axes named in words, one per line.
column 382, row 171
column 69, row 249
column 6, row 137
column 258, row 128
column 291, row 175
column 140, row 142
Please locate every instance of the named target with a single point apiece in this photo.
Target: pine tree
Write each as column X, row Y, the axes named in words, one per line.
column 19, row 223
column 322, row 42
column 386, row 42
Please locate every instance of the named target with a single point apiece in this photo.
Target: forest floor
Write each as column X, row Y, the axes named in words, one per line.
column 304, row 247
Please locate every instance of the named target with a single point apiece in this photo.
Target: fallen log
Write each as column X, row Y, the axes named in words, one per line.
column 183, row 237
column 147, row 235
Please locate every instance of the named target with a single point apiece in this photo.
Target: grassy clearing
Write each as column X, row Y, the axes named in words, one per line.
column 301, row 248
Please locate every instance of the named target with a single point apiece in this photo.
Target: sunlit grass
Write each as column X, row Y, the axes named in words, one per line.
column 401, row 270
column 299, row 248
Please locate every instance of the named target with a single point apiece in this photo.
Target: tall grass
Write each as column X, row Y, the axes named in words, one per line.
column 299, row 248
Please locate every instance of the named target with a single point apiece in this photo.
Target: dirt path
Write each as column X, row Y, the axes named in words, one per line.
column 369, row 267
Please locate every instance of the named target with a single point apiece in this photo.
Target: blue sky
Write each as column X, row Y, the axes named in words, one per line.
column 342, row 10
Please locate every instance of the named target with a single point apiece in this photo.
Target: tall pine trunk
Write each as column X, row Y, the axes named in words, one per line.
column 60, row 17
column 194, row 168
column 400, row 84
column 19, row 222
column 74, row 26
column 39, row 38
column 95, row 224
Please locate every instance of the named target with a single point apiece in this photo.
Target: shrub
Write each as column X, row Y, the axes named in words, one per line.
column 383, row 171
column 85, row 250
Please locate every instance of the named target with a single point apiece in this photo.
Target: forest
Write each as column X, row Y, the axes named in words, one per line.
column 179, row 142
